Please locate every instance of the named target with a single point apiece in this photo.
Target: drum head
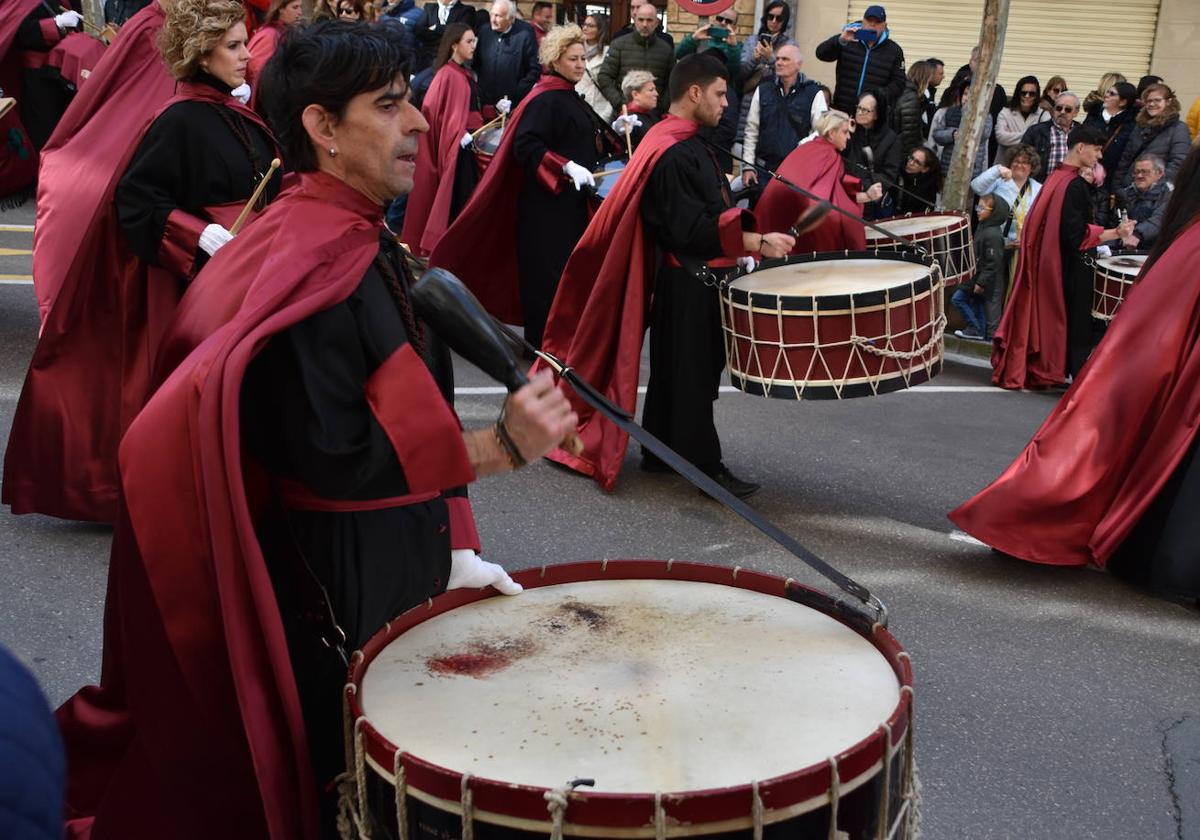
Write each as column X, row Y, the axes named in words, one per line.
column 606, row 176
column 1130, row 264
column 909, row 225
column 487, row 141
column 643, row 685
column 831, row 277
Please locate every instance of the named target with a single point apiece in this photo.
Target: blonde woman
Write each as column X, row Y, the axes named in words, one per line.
column 532, row 205
column 204, row 154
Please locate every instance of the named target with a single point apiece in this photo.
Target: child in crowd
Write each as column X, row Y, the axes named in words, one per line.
column 981, row 301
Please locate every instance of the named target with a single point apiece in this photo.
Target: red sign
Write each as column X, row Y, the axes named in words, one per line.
column 705, row 7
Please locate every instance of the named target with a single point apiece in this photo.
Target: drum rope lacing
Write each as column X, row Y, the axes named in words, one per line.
column 468, row 809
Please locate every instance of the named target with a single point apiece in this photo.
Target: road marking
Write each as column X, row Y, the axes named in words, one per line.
column 14, row 252
column 16, row 279
column 959, row 536
column 496, row 390
column 17, row 228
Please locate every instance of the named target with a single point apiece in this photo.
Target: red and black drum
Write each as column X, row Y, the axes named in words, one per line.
column 632, row 699
column 945, row 236
column 832, row 326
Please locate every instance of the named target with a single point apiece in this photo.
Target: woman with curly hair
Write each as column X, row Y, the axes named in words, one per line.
column 1158, row 130
column 204, row 154
column 446, row 169
column 280, row 15
column 535, row 183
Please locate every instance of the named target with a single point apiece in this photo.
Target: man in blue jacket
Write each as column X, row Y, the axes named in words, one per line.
column 867, row 59
column 506, row 58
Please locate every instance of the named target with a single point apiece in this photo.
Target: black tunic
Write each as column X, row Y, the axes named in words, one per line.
column 466, row 169
column 549, row 225
column 44, row 94
column 189, row 159
column 1077, row 275
column 305, row 418
column 682, row 204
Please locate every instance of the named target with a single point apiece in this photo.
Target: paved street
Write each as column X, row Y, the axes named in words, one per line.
column 1051, row 703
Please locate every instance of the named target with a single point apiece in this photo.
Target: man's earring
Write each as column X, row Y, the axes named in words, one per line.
column 332, row 152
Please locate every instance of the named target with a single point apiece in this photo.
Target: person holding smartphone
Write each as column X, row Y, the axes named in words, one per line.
column 867, row 59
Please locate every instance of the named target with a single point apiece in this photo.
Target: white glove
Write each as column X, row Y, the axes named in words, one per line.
column 466, row 140
column 470, row 571
column 746, row 264
column 578, row 175
column 213, row 238
column 241, row 93
column 626, row 123
column 68, row 20
column 504, row 105
column 1103, row 251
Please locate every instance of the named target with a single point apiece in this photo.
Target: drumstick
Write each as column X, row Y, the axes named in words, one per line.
column 83, row 20
column 258, row 191
column 486, row 126
column 628, row 130
column 810, row 218
column 6, row 105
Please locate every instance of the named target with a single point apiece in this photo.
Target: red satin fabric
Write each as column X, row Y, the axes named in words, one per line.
column 599, row 314
column 76, row 53
column 90, row 372
column 1083, row 482
column 85, row 157
column 447, row 109
column 209, row 656
column 262, row 46
column 480, row 246
column 817, row 167
column 18, row 172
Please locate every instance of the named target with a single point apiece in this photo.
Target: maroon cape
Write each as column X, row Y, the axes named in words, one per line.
column 213, row 742
column 18, row 158
column 480, row 247
column 447, row 109
column 85, row 157
column 599, row 314
column 1117, row 435
column 90, row 372
column 1030, row 346
column 262, row 46
column 817, row 167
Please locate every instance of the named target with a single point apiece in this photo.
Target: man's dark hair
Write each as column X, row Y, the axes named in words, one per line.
column 1085, row 134
column 541, row 4
column 937, row 62
column 1145, row 82
column 326, row 64
column 696, row 69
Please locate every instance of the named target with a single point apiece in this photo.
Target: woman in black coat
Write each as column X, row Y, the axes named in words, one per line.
column 873, row 153
column 1158, row 131
column 1114, row 118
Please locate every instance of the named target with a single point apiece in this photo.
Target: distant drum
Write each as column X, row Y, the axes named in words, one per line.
column 945, row 236
column 831, row 326
column 485, row 142
column 694, row 701
column 1113, row 277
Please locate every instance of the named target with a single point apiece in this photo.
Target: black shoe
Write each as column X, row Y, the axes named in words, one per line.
column 739, row 488
column 969, row 335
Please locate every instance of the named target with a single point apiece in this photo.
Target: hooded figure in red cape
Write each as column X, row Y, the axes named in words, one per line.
column 189, row 171
column 447, row 174
column 1112, row 478
column 672, row 198
column 1045, row 333
column 817, row 166
column 512, row 240
column 304, row 423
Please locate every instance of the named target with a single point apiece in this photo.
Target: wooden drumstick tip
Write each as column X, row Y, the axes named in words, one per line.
column 258, row 191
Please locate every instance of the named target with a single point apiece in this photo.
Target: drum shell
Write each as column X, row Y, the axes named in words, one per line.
column 804, row 347
column 504, row 811
column 1110, row 285
column 951, row 244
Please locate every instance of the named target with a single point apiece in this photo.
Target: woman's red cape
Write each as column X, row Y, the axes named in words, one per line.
column 447, row 109
column 480, row 246
column 90, row 372
column 1104, row 453
column 817, row 167
column 599, row 314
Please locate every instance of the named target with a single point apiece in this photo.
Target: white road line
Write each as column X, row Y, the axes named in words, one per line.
column 496, row 390
column 15, row 281
column 16, row 228
column 959, row 536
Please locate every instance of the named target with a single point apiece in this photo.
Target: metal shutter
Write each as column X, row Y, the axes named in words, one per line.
column 1080, row 40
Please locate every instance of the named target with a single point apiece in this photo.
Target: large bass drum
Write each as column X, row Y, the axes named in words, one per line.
column 1113, row 277
column 632, row 699
column 945, row 236
column 831, row 326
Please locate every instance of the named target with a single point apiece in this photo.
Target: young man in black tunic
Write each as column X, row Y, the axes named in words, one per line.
column 689, row 211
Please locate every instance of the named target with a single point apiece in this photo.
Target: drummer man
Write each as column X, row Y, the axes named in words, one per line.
column 684, row 203
column 291, row 487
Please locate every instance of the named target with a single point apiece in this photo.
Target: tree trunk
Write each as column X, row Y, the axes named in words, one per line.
column 956, row 192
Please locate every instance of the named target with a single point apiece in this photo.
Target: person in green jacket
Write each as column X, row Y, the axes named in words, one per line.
column 718, row 35
column 641, row 49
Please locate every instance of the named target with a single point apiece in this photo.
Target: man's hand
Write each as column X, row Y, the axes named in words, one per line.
column 749, row 177
column 626, row 123
column 470, row 571
column 776, row 245
column 538, row 416
column 504, row 105
column 1132, row 241
column 467, row 140
column 701, row 34
column 874, row 192
column 1125, row 229
column 68, row 20
column 1005, row 173
column 847, row 36
column 578, row 175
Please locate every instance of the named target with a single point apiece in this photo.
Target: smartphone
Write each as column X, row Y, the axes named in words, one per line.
column 765, row 40
column 718, row 33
